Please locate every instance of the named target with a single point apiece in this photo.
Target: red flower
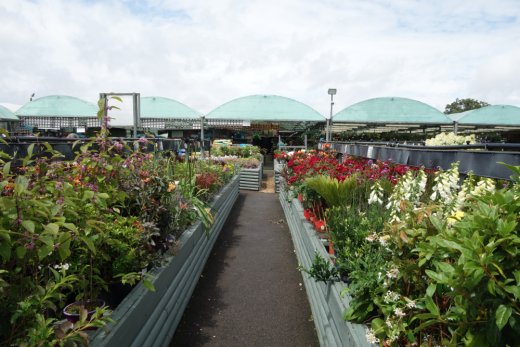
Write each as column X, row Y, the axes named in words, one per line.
column 320, row 226
column 307, row 213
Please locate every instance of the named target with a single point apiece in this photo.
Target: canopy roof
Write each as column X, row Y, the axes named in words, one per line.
column 272, row 108
column 159, row 107
column 501, row 115
column 6, row 114
column 457, row 116
column 58, row 106
column 391, row 110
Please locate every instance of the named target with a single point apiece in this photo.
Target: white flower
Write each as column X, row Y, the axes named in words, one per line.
column 389, row 323
column 372, row 237
column 391, row 297
column 376, row 194
column 392, row 273
column 62, row 266
column 410, row 303
column 371, row 336
column 399, row 312
column 383, row 240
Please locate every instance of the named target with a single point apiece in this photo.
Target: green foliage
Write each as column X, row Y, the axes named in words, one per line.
column 441, row 271
column 334, row 192
column 321, row 269
column 462, row 105
column 234, row 150
column 69, row 229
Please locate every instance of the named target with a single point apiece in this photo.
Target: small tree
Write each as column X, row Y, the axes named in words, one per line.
column 462, row 105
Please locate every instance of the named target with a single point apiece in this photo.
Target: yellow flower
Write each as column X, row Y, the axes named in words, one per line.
column 457, row 216
column 171, row 187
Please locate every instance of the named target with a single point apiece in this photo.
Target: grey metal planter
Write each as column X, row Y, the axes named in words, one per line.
column 147, row 318
column 278, row 167
column 326, row 300
column 251, row 179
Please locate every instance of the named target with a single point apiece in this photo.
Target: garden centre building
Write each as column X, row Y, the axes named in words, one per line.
column 265, row 115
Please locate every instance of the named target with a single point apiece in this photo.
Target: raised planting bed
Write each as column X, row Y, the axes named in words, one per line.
column 146, row 318
column 278, row 166
column 326, row 300
column 251, row 179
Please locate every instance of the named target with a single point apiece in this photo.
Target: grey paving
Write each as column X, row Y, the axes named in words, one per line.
column 250, row 292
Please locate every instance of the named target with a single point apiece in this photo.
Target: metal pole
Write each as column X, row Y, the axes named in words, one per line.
column 455, row 127
column 137, row 108
column 329, row 120
column 305, row 139
column 202, row 152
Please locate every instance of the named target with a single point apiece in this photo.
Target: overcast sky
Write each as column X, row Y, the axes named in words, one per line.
column 205, row 53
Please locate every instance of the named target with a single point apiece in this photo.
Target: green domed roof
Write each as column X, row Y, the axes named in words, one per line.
column 6, row 114
column 159, row 107
column 58, row 106
column 391, row 110
column 266, row 108
column 506, row 115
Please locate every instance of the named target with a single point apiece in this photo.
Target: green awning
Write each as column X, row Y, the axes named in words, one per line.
column 494, row 115
column 391, row 110
column 58, row 106
column 270, row 108
column 159, row 107
column 6, row 114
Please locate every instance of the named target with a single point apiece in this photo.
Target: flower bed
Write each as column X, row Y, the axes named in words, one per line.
column 427, row 261
column 326, row 300
column 147, row 318
column 72, row 230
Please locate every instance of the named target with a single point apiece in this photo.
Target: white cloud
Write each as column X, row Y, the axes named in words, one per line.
column 205, row 53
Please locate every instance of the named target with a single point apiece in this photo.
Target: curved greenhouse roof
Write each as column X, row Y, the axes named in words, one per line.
column 6, row 114
column 159, row 107
column 391, row 110
column 266, row 108
column 501, row 115
column 58, row 106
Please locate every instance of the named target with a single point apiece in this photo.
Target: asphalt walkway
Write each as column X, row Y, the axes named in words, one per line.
column 250, row 292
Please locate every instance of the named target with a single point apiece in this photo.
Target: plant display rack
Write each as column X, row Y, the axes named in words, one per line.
column 146, row 318
column 327, row 300
column 474, row 158
column 251, row 179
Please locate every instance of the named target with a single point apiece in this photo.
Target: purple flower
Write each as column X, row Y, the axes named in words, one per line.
column 118, row 146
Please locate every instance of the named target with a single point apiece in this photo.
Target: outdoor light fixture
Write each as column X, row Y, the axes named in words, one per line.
column 331, row 92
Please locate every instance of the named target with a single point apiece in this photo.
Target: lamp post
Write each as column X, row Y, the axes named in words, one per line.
column 328, row 130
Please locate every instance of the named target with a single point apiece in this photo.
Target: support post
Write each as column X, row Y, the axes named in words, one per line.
column 202, row 151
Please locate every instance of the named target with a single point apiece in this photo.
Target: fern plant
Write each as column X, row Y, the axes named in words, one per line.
column 333, row 191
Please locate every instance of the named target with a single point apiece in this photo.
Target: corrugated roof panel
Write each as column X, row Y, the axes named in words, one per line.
column 159, row 107
column 391, row 110
column 266, row 108
column 58, row 106
column 6, row 114
column 506, row 115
